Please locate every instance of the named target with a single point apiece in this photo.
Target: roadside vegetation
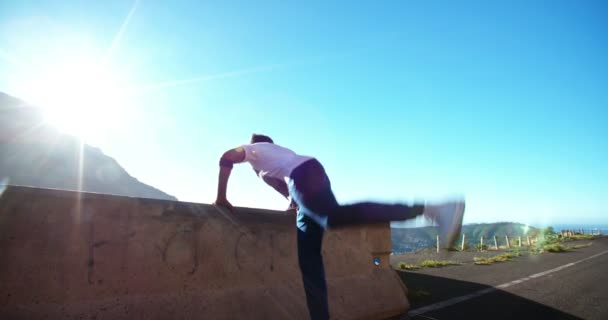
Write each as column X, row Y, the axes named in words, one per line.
column 508, row 256
column 581, row 237
column 428, row 264
column 559, row 247
column 547, row 240
column 408, row 266
column 555, row 247
column 438, row 263
column 579, row 246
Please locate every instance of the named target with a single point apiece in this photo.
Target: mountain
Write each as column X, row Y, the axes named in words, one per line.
column 34, row 154
column 412, row 239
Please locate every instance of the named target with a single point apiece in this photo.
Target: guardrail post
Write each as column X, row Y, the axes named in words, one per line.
column 529, row 243
column 464, row 237
column 519, row 241
column 481, row 244
column 437, row 243
column 495, row 242
column 508, row 244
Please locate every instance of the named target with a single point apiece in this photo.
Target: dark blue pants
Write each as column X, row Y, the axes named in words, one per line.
column 318, row 210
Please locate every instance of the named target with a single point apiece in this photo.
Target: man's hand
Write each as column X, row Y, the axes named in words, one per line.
column 293, row 207
column 224, row 203
column 229, row 158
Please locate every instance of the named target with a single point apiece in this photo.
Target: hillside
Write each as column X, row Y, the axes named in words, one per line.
column 35, row 154
column 412, row 239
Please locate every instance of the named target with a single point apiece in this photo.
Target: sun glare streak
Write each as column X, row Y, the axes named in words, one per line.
column 79, row 182
column 80, row 163
column 119, row 34
column 230, row 74
column 225, row 215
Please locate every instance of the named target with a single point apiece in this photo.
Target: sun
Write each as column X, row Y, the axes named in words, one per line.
column 81, row 97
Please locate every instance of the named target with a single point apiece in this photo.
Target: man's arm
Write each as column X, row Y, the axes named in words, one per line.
column 281, row 187
column 278, row 184
column 228, row 159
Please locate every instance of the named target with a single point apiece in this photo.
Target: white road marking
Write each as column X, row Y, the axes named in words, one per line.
column 453, row 301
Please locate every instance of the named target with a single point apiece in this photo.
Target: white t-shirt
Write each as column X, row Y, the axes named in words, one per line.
column 272, row 160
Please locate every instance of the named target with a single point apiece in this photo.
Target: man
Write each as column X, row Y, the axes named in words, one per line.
column 304, row 181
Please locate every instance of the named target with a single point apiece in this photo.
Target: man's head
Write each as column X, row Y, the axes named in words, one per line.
column 255, row 138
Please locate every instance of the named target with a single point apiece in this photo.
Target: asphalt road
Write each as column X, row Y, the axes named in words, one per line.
column 570, row 285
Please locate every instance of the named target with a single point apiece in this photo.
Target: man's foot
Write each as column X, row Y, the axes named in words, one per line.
column 448, row 216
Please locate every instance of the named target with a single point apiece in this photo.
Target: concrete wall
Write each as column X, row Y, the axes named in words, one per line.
column 91, row 256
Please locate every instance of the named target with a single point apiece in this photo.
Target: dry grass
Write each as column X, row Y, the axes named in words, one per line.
column 438, row 263
column 581, row 237
column 407, row 266
column 579, row 246
column 499, row 258
column 427, row 264
column 555, row 247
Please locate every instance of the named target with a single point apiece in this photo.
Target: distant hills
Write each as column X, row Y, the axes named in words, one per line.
column 412, row 239
column 34, row 154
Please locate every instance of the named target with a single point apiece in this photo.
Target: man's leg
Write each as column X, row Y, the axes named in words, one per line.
column 311, row 189
column 310, row 228
column 318, row 209
column 310, row 239
column 371, row 212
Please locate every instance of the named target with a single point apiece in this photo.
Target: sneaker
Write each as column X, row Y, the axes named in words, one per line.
column 448, row 216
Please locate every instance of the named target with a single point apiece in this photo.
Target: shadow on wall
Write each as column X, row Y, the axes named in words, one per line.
column 426, row 290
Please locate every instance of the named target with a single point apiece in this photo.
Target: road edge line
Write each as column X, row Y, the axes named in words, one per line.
column 455, row 300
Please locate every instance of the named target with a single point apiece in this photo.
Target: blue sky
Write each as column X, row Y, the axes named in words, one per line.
column 502, row 102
